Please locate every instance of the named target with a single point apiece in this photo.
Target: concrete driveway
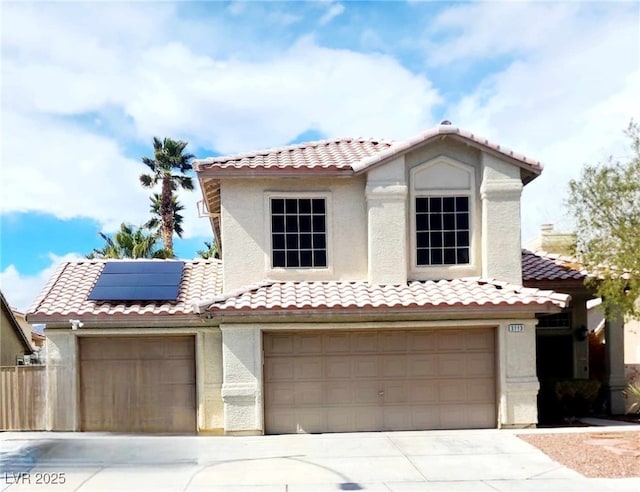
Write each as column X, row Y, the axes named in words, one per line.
column 450, row 461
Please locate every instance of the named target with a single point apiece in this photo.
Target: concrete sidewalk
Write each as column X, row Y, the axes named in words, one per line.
column 469, row 460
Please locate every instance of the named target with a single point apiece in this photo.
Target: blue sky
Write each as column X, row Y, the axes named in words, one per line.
column 86, row 86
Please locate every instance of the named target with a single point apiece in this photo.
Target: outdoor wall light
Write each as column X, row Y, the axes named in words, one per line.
column 581, row 333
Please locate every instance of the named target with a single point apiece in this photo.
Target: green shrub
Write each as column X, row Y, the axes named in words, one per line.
column 632, row 392
column 577, row 396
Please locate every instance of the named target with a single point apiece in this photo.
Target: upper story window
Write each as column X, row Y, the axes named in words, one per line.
column 444, row 220
column 442, row 230
column 298, row 233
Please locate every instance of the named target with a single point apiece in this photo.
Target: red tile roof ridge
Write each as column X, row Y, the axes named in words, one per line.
column 441, row 130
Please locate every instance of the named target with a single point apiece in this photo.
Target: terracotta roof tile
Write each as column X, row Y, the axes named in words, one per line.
column 279, row 296
column 325, row 154
column 540, row 265
column 347, row 154
column 68, row 289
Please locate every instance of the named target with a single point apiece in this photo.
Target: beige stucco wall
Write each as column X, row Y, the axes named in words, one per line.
column 11, row 345
column 63, row 373
column 370, row 220
column 245, row 229
column 517, row 384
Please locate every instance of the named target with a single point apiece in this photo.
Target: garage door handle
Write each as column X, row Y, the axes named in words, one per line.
column 381, row 393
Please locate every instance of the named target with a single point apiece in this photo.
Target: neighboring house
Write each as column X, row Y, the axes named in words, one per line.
column 365, row 285
column 14, row 342
column 565, row 349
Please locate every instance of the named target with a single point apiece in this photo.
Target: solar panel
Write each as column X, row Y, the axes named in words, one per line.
column 138, row 281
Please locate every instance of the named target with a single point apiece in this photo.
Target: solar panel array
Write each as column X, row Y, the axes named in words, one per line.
column 138, row 281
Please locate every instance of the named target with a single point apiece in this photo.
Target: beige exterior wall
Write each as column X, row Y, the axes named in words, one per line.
column 517, row 384
column 370, row 219
column 63, row 373
column 246, row 230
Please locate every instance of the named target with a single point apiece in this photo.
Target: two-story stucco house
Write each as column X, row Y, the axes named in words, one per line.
column 364, row 285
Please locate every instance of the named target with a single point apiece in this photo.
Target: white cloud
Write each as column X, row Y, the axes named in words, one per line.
column 21, row 290
column 139, row 86
column 236, row 105
column 569, row 88
column 334, row 10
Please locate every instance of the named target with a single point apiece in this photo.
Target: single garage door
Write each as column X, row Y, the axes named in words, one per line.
column 372, row 381
column 138, row 384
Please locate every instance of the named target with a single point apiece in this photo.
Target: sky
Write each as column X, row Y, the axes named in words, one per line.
column 85, row 87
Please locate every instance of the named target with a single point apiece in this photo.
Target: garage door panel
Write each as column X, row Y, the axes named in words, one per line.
column 340, row 420
column 451, row 341
column 281, row 369
column 308, row 344
column 381, row 380
column 279, row 345
column 148, row 387
column 336, row 343
column 423, row 342
column 365, row 342
column 481, row 390
column 394, row 365
column 366, row 392
column 308, row 393
column 369, row 419
column 311, row 420
column 480, row 340
column 394, row 342
column 451, row 365
column 422, row 365
column 480, row 365
column 397, row 418
column 308, row 368
column 338, row 393
column 452, row 390
column 365, row 367
column 338, row 367
column 424, row 391
column 395, row 392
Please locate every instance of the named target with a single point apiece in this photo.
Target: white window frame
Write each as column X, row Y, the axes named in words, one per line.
column 425, row 272
column 300, row 273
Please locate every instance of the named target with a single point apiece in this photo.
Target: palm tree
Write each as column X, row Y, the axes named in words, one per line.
column 155, row 222
column 168, row 167
column 210, row 252
column 129, row 242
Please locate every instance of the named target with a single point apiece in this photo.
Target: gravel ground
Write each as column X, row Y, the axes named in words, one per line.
column 593, row 454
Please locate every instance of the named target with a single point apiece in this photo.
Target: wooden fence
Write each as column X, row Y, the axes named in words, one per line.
column 23, row 398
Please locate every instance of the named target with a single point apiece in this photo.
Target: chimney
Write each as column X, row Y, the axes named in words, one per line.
column 556, row 242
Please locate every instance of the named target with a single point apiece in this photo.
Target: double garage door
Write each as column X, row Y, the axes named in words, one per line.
column 382, row 380
column 137, row 384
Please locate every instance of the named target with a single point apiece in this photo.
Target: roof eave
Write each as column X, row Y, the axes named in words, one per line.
column 458, row 311
column 530, row 172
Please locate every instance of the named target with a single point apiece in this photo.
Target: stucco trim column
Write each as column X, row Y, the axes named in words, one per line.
column 242, row 379
column 614, row 363
column 63, row 370
column 500, row 193
column 518, row 383
column 387, row 237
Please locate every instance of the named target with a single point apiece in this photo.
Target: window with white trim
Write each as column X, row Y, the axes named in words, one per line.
column 298, row 233
column 442, row 230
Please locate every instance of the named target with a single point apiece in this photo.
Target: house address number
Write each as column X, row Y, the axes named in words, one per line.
column 516, row 328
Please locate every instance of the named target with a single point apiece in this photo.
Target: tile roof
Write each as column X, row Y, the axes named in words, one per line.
column 540, row 265
column 338, row 154
column 68, row 289
column 347, row 154
column 318, row 296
